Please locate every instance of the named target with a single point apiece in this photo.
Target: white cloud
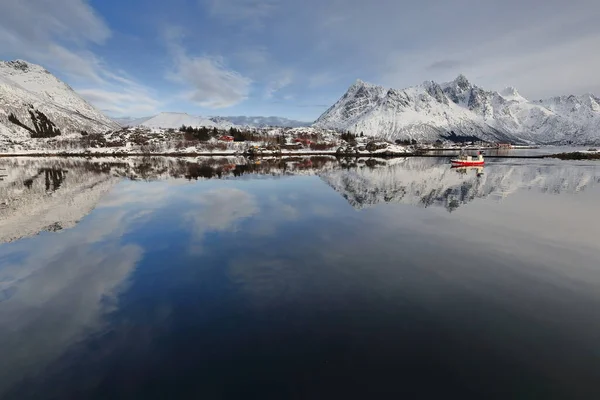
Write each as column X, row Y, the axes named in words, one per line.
column 40, row 31
column 525, row 58
column 211, row 83
column 284, row 78
column 41, row 21
column 263, row 69
column 543, row 48
column 116, row 93
column 214, row 86
column 77, row 64
column 57, row 35
column 127, row 101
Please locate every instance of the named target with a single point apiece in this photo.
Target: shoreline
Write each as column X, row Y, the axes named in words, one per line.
column 285, row 154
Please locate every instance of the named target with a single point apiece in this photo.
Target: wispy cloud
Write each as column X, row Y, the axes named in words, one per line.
column 40, row 31
column 538, row 59
column 40, row 21
column 58, row 35
column 243, row 49
column 124, row 102
column 284, row 79
column 211, row 83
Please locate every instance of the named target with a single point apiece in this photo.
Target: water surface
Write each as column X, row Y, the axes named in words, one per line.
column 305, row 278
column 539, row 151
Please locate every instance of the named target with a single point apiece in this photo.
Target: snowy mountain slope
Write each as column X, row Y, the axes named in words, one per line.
column 431, row 110
column 131, row 121
column 174, row 120
column 40, row 101
column 425, row 182
column 262, row 122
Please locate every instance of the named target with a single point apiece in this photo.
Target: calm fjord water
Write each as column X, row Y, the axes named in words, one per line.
column 308, row 278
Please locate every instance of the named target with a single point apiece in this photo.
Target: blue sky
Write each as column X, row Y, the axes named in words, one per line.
column 295, row 58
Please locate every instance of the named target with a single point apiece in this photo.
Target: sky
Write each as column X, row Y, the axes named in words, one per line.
column 296, row 58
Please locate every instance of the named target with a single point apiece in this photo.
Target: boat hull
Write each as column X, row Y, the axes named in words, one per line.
column 460, row 163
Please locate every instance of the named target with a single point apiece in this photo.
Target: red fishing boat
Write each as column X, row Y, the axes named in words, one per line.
column 464, row 160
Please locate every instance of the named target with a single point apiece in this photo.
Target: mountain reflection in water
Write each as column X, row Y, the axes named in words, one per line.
column 300, row 277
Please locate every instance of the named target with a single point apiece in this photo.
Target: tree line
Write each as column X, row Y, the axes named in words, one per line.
column 204, row 134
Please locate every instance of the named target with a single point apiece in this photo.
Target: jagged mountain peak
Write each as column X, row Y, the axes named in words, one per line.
column 436, row 91
column 462, row 82
column 431, row 111
column 591, row 101
column 36, row 79
column 360, row 84
column 22, row 66
column 590, row 96
column 510, row 93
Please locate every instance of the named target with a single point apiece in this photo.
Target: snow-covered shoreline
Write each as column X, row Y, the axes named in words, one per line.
column 384, row 153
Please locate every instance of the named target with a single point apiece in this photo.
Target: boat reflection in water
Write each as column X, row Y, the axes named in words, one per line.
column 464, row 170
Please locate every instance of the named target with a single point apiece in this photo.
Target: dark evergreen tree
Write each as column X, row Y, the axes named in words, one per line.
column 348, row 137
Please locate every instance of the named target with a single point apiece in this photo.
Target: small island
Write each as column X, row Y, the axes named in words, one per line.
column 591, row 154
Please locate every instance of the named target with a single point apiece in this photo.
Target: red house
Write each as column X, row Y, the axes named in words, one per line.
column 226, row 138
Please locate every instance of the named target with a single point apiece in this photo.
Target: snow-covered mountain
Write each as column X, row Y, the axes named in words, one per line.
column 131, row 121
column 263, row 122
column 34, row 103
column 430, row 111
column 174, row 120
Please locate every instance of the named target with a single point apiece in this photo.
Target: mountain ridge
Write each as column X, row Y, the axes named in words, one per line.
column 170, row 119
column 174, row 120
column 30, row 95
column 36, row 104
column 428, row 111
